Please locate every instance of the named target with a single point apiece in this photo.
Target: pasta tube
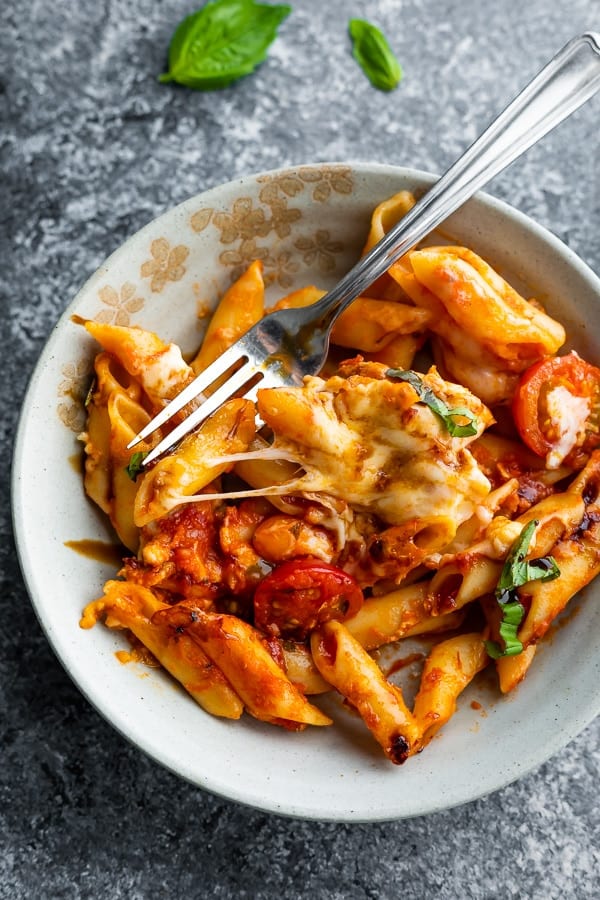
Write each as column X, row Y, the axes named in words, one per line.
column 282, row 537
column 110, row 380
column 239, row 309
column 115, row 415
column 399, row 614
column 484, row 305
column 369, row 324
column 344, row 663
column 578, row 559
column 301, row 669
column 486, row 333
column 474, row 572
column 448, row 669
column 189, row 468
column 126, row 418
column 513, row 669
column 132, row 606
column 236, row 648
column 400, row 351
column 159, row 368
column 384, row 217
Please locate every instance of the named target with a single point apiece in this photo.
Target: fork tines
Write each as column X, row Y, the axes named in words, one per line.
column 240, row 382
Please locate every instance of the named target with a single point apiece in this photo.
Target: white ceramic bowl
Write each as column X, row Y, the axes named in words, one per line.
column 308, row 225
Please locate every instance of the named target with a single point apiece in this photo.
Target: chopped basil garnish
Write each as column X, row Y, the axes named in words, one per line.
column 374, row 55
column 517, row 570
column 90, row 393
column 515, row 573
column 455, row 428
column 512, row 616
column 222, row 42
column 135, row 465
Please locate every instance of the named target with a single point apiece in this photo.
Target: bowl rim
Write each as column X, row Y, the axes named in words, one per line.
column 536, row 755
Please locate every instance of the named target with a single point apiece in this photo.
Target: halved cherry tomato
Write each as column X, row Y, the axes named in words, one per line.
column 301, row 594
column 549, row 422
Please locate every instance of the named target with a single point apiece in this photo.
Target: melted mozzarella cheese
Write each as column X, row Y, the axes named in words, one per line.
column 370, row 442
column 568, row 415
column 165, row 373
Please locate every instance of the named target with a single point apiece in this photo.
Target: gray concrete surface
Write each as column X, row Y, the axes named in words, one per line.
column 91, row 148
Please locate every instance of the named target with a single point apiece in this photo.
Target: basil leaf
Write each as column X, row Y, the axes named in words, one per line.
column 135, row 467
column 512, row 616
column 467, row 429
column 222, row 42
column 448, row 416
column 374, row 55
column 90, row 393
column 515, row 573
column 543, row 569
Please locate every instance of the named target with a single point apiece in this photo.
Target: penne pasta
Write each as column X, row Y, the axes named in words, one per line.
column 399, row 614
column 377, row 503
column 158, row 367
column 399, row 352
column 301, row 670
column 513, row 669
column 369, row 324
column 239, row 309
column 109, row 379
column 190, row 468
column 383, row 218
column 578, row 560
column 126, row 417
column 344, row 663
column 235, row 647
column 133, row 607
column 486, row 333
column 280, row 537
column 448, row 669
column 484, row 305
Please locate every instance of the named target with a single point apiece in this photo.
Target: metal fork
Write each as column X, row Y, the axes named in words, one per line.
column 288, row 344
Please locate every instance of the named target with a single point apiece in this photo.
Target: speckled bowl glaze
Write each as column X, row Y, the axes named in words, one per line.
column 307, row 225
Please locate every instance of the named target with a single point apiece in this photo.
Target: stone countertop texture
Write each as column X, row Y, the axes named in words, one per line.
column 92, row 148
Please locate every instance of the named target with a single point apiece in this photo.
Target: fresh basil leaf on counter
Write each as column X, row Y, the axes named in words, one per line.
column 222, row 42
column 374, row 55
column 448, row 416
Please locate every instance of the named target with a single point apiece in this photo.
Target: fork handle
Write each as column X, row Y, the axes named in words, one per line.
column 564, row 84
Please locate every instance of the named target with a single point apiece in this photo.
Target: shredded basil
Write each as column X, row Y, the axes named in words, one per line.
column 449, row 416
column 222, row 42
column 516, row 572
column 90, row 393
column 374, row 55
column 135, row 465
